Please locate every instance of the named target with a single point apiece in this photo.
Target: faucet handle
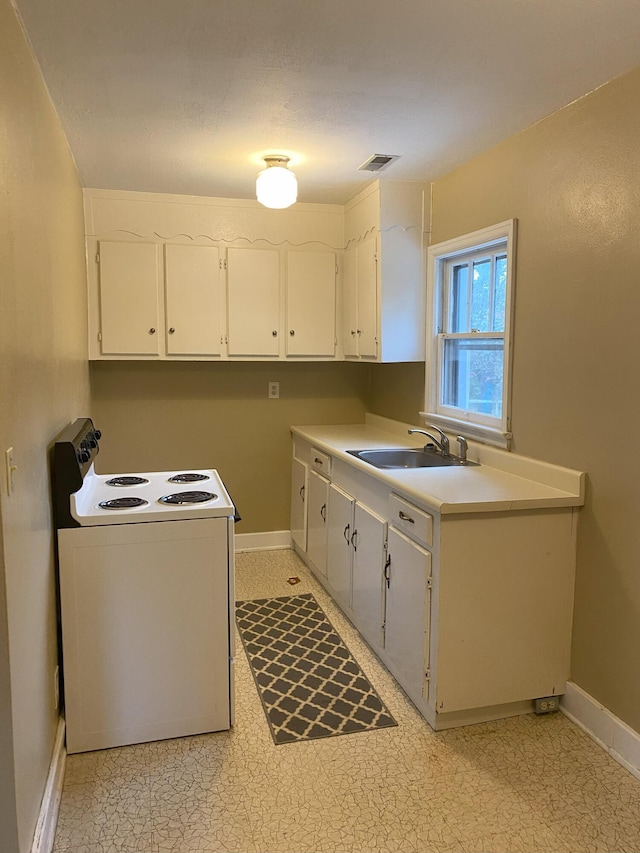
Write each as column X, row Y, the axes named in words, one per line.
column 443, row 437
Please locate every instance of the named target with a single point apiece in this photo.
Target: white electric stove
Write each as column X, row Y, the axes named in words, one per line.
column 144, row 497
column 146, row 568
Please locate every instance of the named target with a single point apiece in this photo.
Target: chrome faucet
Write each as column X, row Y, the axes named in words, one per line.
column 441, row 443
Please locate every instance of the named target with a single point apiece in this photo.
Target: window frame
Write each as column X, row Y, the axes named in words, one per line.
column 441, row 257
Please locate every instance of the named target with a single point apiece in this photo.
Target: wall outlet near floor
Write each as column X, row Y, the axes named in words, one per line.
column 274, row 390
column 547, row 705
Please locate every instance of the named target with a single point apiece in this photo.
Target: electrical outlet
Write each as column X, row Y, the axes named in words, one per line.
column 274, row 390
column 547, row 704
column 56, row 687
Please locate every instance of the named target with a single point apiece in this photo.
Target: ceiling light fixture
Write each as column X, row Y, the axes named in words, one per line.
column 276, row 186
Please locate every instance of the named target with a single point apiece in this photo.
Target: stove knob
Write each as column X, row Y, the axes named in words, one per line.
column 97, row 434
column 91, row 443
column 83, row 456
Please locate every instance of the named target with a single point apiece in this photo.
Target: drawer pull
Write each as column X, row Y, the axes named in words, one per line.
column 405, row 517
column 318, row 461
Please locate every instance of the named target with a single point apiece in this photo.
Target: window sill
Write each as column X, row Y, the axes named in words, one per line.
column 476, row 432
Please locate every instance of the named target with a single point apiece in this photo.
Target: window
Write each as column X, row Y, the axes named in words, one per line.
column 470, row 286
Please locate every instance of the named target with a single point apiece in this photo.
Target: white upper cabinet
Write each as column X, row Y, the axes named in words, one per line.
column 384, row 273
column 360, row 300
column 253, row 300
column 129, row 287
column 214, row 279
column 311, row 304
column 193, row 311
column 350, row 302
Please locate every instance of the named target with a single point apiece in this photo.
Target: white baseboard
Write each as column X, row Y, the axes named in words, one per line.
column 48, row 818
column 272, row 540
column 615, row 737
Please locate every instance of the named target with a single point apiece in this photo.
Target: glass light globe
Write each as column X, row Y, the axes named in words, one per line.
column 276, row 187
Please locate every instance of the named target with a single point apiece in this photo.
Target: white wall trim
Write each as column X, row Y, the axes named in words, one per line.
column 610, row 732
column 48, row 817
column 271, row 540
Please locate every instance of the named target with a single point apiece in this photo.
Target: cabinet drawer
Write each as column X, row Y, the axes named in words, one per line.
column 320, row 461
column 416, row 523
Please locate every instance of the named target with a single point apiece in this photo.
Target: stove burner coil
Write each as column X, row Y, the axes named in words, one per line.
column 180, row 498
column 127, row 481
column 123, row 503
column 188, row 478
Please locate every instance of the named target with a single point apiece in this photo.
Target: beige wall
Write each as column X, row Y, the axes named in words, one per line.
column 572, row 181
column 43, row 385
column 397, row 391
column 170, row 416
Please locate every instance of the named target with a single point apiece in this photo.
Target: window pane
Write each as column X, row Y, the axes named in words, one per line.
column 472, row 375
column 459, row 298
column 499, row 306
column 481, row 296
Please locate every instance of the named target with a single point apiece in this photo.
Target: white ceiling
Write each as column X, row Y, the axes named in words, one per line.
column 183, row 96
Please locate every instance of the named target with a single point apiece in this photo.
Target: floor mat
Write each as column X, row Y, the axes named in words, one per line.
column 308, row 681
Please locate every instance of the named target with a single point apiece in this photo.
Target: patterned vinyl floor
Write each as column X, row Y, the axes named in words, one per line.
column 526, row 784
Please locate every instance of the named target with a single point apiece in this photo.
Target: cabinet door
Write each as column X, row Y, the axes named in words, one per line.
column 367, row 299
column 339, row 547
column 317, row 522
column 192, row 299
column 408, row 608
column 369, row 537
column 129, row 298
column 253, row 300
column 350, row 302
column 311, row 303
column 299, row 478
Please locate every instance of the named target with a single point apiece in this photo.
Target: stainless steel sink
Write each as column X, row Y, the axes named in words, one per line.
column 406, row 457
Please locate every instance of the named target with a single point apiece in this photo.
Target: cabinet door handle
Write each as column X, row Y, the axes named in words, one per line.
column 323, row 512
column 302, row 492
column 353, row 331
column 274, row 333
column 152, row 331
column 171, row 330
column 354, row 541
column 345, row 533
column 404, row 517
column 387, row 573
column 292, row 332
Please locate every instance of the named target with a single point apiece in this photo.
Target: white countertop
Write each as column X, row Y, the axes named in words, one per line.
column 503, row 481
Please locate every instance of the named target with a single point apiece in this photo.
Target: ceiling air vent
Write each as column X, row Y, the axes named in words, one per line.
column 377, row 162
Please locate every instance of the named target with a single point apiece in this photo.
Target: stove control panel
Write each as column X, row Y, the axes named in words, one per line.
column 74, row 451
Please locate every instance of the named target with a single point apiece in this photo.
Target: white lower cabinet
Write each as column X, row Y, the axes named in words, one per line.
column 369, row 540
column 407, row 581
column 317, row 521
column 299, row 489
column 340, row 532
column 471, row 612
